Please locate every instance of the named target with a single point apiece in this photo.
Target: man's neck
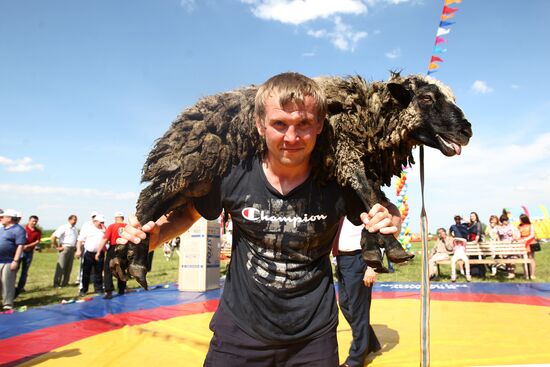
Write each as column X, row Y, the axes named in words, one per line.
column 284, row 179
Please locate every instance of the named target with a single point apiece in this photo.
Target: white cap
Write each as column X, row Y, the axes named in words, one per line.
column 18, row 214
column 9, row 213
column 100, row 218
column 93, row 214
column 119, row 214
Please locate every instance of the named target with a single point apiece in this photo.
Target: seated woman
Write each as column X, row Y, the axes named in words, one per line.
column 507, row 232
column 442, row 249
column 527, row 236
column 459, row 246
column 491, row 234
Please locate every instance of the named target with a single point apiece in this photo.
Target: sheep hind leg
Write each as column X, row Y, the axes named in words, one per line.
column 371, row 243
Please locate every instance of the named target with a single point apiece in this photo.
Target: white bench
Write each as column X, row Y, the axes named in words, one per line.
column 485, row 253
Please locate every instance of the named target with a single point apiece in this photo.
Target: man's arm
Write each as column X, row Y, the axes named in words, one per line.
column 15, row 263
column 163, row 230
column 78, row 248
column 102, row 244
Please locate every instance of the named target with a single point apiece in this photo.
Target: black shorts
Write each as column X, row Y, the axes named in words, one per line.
column 232, row 347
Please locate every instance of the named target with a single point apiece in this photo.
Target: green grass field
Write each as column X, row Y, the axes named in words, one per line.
column 40, row 291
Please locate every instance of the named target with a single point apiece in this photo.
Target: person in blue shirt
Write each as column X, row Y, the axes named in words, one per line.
column 459, row 229
column 12, row 239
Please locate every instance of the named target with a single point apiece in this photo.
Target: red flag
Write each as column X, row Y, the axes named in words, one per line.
column 449, row 10
column 436, row 59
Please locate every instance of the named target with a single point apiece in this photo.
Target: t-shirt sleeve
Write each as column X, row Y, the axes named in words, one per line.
column 58, row 232
column 107, row 234
column 21, row 237
column 210, row 205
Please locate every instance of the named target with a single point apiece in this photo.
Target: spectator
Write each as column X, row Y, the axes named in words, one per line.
column 355, row 280
column 12, row 239
column 85, row 227
column 507, row 232
column 474, row 228
column 442, row 249
column 491, row 232
column 111, row 235
column 459, row 248
column 527, row 236
column 64, row 240
column 459, row 229
column 33, row 238
column 87, row 247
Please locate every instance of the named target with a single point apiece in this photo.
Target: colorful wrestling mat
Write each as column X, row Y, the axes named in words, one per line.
column 475, row 324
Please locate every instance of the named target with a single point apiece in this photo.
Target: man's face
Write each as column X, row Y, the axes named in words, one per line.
column 32, row 223
column 5, row 220
column 290, row 131
column 442, row 234
column 98, row 224
column 72, row 221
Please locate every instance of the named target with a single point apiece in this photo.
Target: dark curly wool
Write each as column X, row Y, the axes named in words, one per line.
column 372, row 130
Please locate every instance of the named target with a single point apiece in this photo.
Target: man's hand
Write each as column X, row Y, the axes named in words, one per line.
column 59, row 248
column 14, row 265
column 97, row 255
column 379, row 219
column 134, row 232
column 370, row 277
column 78, row 254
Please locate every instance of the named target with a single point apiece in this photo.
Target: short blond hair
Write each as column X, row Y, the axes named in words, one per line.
column 290, row 87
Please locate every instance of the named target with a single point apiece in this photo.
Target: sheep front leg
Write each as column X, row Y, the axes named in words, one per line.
column 371, row 243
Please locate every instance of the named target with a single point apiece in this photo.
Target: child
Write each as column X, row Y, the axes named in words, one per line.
column 459, row 246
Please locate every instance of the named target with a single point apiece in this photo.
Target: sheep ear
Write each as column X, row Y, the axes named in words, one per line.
column 400, row 93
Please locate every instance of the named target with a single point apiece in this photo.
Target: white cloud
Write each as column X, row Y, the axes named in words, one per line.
column 301, row 11
column 64, row 191
column 308, row 54
column 24, row 164
column 388, row 2
column 188, row 5
column 481, row 87
column 342, row 36
column 393, row 54
column 515, row 86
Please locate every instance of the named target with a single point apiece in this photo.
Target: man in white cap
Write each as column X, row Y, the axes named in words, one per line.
column 12, row 239
column 111, row 234
column 64, row 241
column 85, row 227
column 87, row 247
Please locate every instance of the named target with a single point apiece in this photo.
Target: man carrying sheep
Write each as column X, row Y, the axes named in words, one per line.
column 278, row 306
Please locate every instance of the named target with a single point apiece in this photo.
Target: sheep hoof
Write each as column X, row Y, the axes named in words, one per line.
column 396, row 253
column 138, row 272
column 116, row 268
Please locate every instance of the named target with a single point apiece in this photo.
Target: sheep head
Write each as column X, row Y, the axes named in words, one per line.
column 435, row 119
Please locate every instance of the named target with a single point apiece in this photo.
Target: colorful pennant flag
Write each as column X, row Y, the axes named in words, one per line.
column 445, row 23
column 443, row 31
column 439, row 40
column 439, row 50
column 432, row 66
column 447, row 16
column 449, row 10
column 436, row 59
column 449, row 2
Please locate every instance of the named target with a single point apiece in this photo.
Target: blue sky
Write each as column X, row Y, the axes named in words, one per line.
column 86, row 88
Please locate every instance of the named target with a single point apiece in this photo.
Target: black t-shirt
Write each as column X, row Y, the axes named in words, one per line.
column 279, row 286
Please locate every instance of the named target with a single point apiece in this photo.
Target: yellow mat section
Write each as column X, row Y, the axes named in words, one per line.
column 462, row 334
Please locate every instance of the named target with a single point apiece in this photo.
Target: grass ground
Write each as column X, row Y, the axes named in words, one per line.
column 40, row 291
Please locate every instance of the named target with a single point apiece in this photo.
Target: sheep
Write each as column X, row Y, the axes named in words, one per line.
column 371, row 131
